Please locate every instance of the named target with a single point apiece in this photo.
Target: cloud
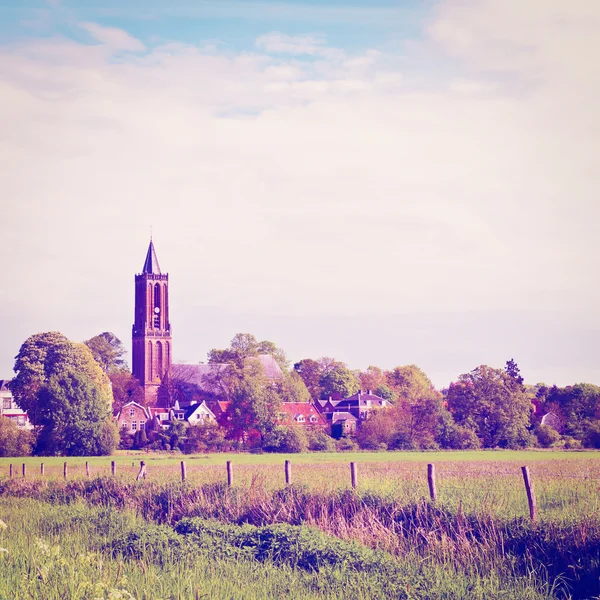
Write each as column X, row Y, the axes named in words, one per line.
column 454, row 178
column 309, row 44
column 114, row 38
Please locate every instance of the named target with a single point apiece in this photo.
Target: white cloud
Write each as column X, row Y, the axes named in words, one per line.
column 114, row 38
column 309, row 44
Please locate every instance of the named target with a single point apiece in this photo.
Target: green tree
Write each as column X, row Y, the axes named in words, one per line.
column 254, row 403
column 204, row 437
column 410, row 383
column 244, row 346
column 107, row 350
column 319, row 441
column 14, row 441
column 578, row 406
column 46, row 354
column 494, row 405
column 339, row 380
column 74, row 417
column 310, row 372
column 291, row 388
column 286, row 438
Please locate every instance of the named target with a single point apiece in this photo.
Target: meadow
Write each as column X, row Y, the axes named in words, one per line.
column 475, row 541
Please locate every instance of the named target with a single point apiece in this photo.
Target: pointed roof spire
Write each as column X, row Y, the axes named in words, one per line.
column 151, row 263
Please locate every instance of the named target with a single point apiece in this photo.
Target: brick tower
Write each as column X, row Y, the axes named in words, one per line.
column 151, row 332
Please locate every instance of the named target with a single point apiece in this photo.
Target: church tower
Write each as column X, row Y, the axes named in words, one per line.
column 151, row 333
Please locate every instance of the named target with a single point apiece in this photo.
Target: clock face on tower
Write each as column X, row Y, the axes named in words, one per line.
column 156, row 310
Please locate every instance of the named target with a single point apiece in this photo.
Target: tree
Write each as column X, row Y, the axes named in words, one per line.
column 286, row 438
column 378, row 431
column 513, row 371
column 75, row 418
column 125, row 388
column 204, row 437
column 578, row 406
column 372, row 378
column 45, row 355
column 338, row 381
column 14, row 441
column 254, row 403
column 310, row 372
column 244, row 346
column 410, row 383
column 291, row 388
column 492, row 404
column 107, row 350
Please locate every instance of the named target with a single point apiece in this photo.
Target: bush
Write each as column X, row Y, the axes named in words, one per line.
column 346, row 444
column 204, row 437
column 572, row 443
column 546, row 435
column 319, row 441
column 456, row 437
column 286, row 438
column 14, row 441
column 592, row 436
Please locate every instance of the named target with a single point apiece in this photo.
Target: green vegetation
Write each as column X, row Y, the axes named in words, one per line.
column 80, row 552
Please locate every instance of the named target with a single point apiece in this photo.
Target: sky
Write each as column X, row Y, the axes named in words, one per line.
column 386, row 183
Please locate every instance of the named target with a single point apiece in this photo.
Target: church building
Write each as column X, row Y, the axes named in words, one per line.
column 151, row 332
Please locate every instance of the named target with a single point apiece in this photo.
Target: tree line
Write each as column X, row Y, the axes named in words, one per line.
column 71, row 390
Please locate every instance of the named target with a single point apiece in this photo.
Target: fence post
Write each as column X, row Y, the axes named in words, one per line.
column 113, row 468
column 229, row 473
column 288, row 472
column 11, row 471
column 65, row 470
column 24, row 470
column 142, row 473
column 183, row 471
column 41, row 468
column 530, row 494
column 431, row 481
column 353, row 474
column 87, row 468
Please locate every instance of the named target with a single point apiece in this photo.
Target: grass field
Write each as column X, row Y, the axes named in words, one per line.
column 475, row 541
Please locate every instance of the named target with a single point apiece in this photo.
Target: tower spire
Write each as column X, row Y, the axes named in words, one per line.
column 151, row 263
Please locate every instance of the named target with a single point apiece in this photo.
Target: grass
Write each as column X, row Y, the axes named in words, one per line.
column 51, row 552
column 476, row 541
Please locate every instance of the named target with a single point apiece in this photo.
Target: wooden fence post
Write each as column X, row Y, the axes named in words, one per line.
column 142, row 473
column 113, row 468
column 530, row 494
column 10, row 470
column 229, row 473
column 41, row 468
column 87, row 468
column 431, row 481
column 24, row 470
column 353, row 474
column 65, row 470
column 288, row 472
column 183, row 471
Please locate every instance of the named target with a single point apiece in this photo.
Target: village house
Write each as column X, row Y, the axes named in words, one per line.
column 10, row 409
column 302, row 413
column 344, row 416
column 133, row 417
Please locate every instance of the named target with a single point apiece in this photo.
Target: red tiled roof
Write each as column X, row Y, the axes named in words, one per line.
column 306, row 409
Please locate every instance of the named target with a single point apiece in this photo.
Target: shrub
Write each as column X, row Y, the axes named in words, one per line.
column 546, row 435
column 14, row 441
column 319, row 441
column 346, row 444
column 286, row 438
